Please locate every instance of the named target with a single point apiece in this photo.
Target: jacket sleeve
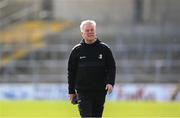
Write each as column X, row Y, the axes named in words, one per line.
column 72, row 66
column 110, row 67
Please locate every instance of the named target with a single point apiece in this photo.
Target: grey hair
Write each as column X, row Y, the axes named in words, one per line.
column 87, row 22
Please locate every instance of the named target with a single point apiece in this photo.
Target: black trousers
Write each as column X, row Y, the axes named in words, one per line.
column 91, row 104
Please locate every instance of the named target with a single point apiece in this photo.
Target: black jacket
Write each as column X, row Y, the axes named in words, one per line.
column 90, row 67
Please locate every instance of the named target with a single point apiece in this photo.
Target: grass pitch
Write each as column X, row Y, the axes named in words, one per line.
column 47, row 109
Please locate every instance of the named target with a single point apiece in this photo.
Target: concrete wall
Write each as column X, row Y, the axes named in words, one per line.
column 117, row 11
column 104, row 11
column 162, row 11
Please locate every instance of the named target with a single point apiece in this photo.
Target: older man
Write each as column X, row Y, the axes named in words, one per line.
column 91, row 72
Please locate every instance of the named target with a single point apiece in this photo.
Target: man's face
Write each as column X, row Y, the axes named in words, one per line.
column 89, row 33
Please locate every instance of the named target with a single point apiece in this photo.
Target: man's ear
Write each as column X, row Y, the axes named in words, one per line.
column 81, row 33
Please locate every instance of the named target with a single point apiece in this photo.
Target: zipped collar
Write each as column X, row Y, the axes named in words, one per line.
column 96, row 42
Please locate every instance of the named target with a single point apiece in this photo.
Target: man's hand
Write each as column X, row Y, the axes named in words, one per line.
column 109, row 88
column 71, row 96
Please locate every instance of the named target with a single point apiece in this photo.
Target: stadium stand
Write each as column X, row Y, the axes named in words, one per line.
column 25, row 38
column 35, row 50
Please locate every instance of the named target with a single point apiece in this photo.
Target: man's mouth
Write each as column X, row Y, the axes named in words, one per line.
column 90, row 35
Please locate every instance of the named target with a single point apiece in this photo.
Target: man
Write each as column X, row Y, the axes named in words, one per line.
column 91, row 72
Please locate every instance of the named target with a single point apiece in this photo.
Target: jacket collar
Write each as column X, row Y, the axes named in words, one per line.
column 96, row 42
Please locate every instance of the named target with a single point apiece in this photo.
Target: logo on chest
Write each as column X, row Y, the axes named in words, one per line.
column 100, row 56
column 82, row 57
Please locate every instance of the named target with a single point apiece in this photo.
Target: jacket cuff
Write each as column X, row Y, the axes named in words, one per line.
column 110, row 83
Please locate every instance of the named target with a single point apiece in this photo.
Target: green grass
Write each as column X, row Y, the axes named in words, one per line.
column 65, row 109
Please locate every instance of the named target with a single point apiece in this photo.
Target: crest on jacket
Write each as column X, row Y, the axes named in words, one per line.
column 100, row 56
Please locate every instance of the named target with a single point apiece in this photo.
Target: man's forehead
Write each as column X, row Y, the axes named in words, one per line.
column 88, row 25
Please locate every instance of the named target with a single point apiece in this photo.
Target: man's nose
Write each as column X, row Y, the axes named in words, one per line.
column 91, row 32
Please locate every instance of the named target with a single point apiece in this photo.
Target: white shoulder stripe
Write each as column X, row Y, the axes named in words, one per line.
column 76, row 46
column 104, row 44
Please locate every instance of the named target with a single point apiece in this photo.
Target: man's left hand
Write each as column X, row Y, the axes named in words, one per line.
column 109, row 88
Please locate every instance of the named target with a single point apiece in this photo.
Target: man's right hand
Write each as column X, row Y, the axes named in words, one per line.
column 71, row 96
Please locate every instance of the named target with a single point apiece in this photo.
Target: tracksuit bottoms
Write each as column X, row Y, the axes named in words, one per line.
column 91, row 104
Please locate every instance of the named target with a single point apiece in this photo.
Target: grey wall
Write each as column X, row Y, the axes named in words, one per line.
column 117, row 11
column 162, row 11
